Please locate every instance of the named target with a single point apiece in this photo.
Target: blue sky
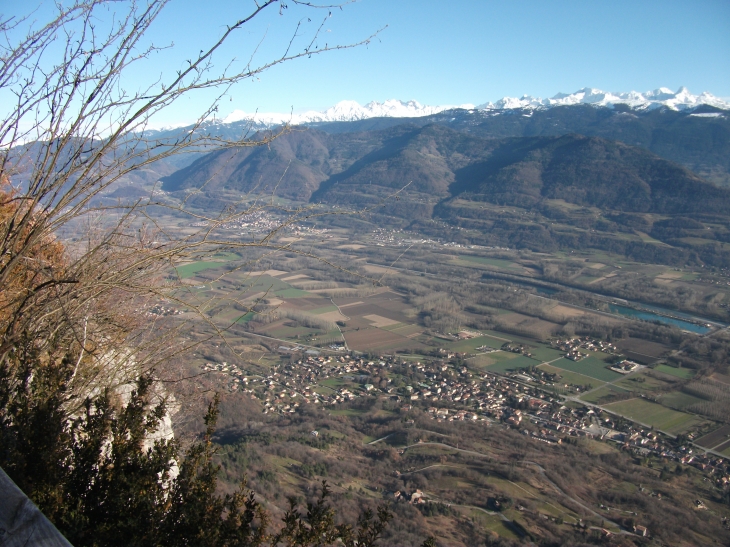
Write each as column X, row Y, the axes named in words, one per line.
column 453, row 52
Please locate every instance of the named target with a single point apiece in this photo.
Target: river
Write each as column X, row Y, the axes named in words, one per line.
column 645, row 312
column 650, row 316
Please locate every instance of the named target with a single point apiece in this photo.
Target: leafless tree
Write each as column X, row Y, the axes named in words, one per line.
column 70, row 130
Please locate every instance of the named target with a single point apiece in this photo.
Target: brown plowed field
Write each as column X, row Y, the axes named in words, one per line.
column 362, row 310
column 714, row 438
column 377, row 339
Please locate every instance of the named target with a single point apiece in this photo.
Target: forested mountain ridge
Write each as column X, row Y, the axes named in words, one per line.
column 435, row 162
column 698, row 138
column 587, row 171
column 542, row 192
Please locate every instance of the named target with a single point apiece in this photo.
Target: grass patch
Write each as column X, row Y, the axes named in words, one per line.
column 496, row 262
column 683, row 373
column 679, row 400
column 246, row 318
column 325, row 309
column 291, row 292
column 472, row 344
column 590, row 366
column 499, row 527
column 291, row 333
column 544, row 353
column 568, row 377
column 189, row 270
column 524, row 362
column 432, row 450
column 602, row 395
column 643, row 383
column 654, row 415
column 499, row 356
column 506, row 365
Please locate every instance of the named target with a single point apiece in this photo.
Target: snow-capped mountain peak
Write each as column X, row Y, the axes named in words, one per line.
column 346, row 111
column 682, row 99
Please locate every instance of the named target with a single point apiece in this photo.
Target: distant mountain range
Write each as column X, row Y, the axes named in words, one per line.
column 697, row 138
column 682, row 99
column 347, row 111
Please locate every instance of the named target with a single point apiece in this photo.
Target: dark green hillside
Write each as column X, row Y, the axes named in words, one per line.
column 699, row 143
column 692, row 139
column 543, row 193
column 421, row 162
column 587, row 171
column 434, row 162
column 292, row 167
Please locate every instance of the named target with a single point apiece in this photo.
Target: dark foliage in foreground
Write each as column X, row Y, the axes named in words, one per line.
column 101, row 480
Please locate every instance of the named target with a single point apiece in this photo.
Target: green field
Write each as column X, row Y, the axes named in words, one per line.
column 643, row 383
column 523, row 362
column 325, row 309
column 496, row 262
column 679, row 400
column 493, row 358
column 290, row 333
column 683, row 373
column 485, row 361
column 590, row 366
column 507, row 365
column 189, row 270
column 573, row 378
column 544, row 353
column 473, row 343
column 498, row 526
column 504, row 337
column 246, row 317
column 334, row 383
column 654, row 415
column 596, row 396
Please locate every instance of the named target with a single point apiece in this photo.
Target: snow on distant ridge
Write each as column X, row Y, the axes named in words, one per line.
column 346, row 111
column 681, row 100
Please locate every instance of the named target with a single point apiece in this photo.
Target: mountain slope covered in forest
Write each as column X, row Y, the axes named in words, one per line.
column 434, row 162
